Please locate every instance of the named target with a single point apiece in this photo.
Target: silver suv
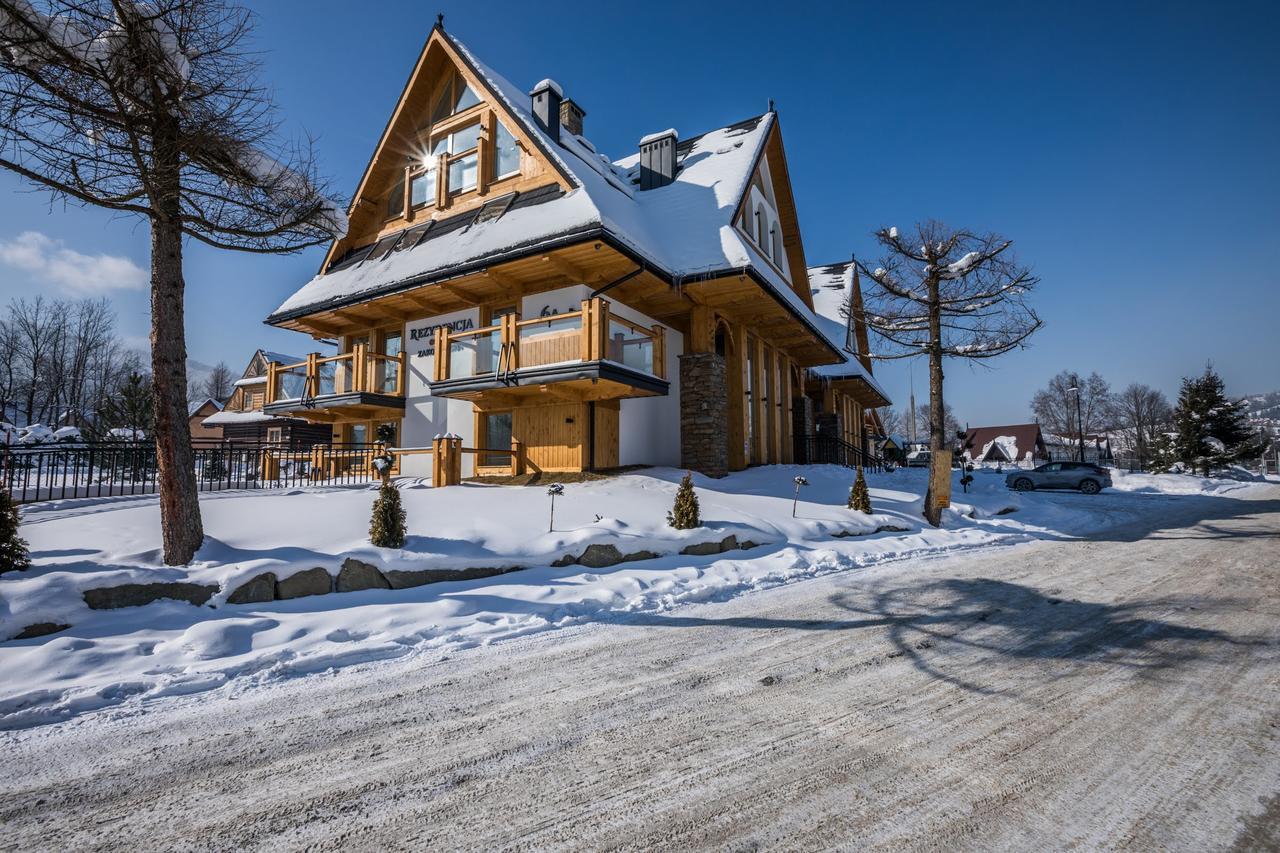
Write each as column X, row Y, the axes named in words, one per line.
column 1089, row 479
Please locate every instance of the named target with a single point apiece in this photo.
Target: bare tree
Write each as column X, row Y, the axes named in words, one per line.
column 153, row 109
column 950, row 425
column 1141, row 413
column 217, row 385
column 1074, row 407
column 946, row 293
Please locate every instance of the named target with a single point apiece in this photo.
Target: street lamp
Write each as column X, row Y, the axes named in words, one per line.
column 1079, row 417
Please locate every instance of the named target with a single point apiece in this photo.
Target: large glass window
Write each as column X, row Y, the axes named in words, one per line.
column 391, row 345
column 506, row 159
column 395, row 201
column 455, row 97
column 462, row 173
column 497, row 436
column 422, row 189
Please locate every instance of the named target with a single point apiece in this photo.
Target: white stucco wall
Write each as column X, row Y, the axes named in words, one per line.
column 425, row 416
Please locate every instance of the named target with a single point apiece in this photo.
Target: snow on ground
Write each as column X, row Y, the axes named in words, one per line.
column 134, row 655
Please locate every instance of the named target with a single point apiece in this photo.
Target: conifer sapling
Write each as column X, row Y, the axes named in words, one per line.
column 684, row 514
column 859, row 497
column 13, row 548
column 387, row 528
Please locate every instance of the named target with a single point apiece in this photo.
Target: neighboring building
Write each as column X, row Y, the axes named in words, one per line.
column 1097, row 448
column 198, row 412
column 503, row 281
column 242, row 420
column 1019, row 444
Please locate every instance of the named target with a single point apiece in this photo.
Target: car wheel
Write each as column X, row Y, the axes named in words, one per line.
column 1023, row 484
column 1090, row 487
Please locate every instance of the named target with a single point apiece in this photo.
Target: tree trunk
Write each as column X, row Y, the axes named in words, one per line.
column 933, row 502
column 180, row 527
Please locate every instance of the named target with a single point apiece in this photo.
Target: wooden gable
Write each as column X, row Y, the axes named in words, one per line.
column 416, row 126
column 771, row 171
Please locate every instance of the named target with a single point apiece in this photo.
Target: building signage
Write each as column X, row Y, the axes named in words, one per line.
column 425, row 336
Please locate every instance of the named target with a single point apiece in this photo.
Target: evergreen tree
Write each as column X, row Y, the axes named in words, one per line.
column 1212, row 431
column 859, row 497
column 1162, row 454
column 684, row 515
column 386, row 529
column 13, row 548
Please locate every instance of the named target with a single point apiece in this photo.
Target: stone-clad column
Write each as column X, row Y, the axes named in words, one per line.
column 704, row 414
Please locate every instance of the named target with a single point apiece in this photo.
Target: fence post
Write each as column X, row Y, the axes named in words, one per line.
column 517, row 457
column 455, row 461
column 438, row 461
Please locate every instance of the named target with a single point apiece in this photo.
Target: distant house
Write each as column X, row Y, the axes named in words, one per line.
column 1097, row 448
column 242, row 421
column 199, row 411
column 1017, row 444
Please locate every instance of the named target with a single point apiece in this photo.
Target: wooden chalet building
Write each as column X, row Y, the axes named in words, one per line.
column 503, row 281
column 242, row 420
column 199, row 411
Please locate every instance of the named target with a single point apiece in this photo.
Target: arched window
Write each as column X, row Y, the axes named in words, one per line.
column 762, row 239
column 777, row 242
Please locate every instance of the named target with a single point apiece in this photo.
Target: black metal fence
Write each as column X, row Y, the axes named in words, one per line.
column 102, row 469
column 831, row 450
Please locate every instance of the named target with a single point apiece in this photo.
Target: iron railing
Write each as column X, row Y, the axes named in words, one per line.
column 104, row 469
column 832, row 450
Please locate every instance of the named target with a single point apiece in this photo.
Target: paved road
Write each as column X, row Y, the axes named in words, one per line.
column 1118, row 693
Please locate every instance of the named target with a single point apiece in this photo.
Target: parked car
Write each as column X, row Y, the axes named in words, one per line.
column 1088, row 478
column 918, row 458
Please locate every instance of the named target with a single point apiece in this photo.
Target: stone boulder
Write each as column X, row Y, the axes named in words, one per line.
column 405, row 579
column 701, row 549
column 356, row 575
column 138, row 594
column 729, row 543
column 315, row 581
column 566, row 560
column 639, row 555
column 600, row 556
column 41, row 629
column 255, row 590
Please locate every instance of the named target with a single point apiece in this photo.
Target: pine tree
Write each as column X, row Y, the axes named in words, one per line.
column 1212, row 431
column 859, row 497
column 1162, row 454
column 386, row 529
column 684, row 515
column 13, row 548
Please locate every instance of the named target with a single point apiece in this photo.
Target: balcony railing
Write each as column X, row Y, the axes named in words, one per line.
column 591, row 334
column 357, row 372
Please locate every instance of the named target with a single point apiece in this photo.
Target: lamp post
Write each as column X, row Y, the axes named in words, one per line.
column 1079, row 417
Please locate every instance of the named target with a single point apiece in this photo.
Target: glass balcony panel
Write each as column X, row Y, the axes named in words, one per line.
column 475, row 355
column 629, row 347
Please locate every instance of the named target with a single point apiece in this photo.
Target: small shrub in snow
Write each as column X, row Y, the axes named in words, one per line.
column 13, row 548
column 553, row 490
column 684, row 514
column 859, row 497
column 800, row 481
column 386, row 530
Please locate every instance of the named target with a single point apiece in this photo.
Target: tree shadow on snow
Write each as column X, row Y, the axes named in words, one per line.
column 982, row 621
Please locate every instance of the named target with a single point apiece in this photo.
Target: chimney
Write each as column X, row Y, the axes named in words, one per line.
column 546, row 107
column 658, row 159
column 571, row 116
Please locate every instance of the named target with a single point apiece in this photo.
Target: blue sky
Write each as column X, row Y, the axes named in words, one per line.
column 1129, row 151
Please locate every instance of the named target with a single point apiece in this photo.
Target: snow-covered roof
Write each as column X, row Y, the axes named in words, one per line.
column 225, row 417
column 196, row 405
column 250, row 380
column 281, row 357
column 682, row 229
column 829, row 287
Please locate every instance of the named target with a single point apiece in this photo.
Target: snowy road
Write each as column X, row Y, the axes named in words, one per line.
column 1122, row 692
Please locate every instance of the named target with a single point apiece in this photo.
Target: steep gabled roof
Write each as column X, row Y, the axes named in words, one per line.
column 680, row 231
column 1012, row 443
column 830, row 287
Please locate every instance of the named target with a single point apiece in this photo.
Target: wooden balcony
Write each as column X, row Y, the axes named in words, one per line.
column 354, row 386
column 589, row 354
